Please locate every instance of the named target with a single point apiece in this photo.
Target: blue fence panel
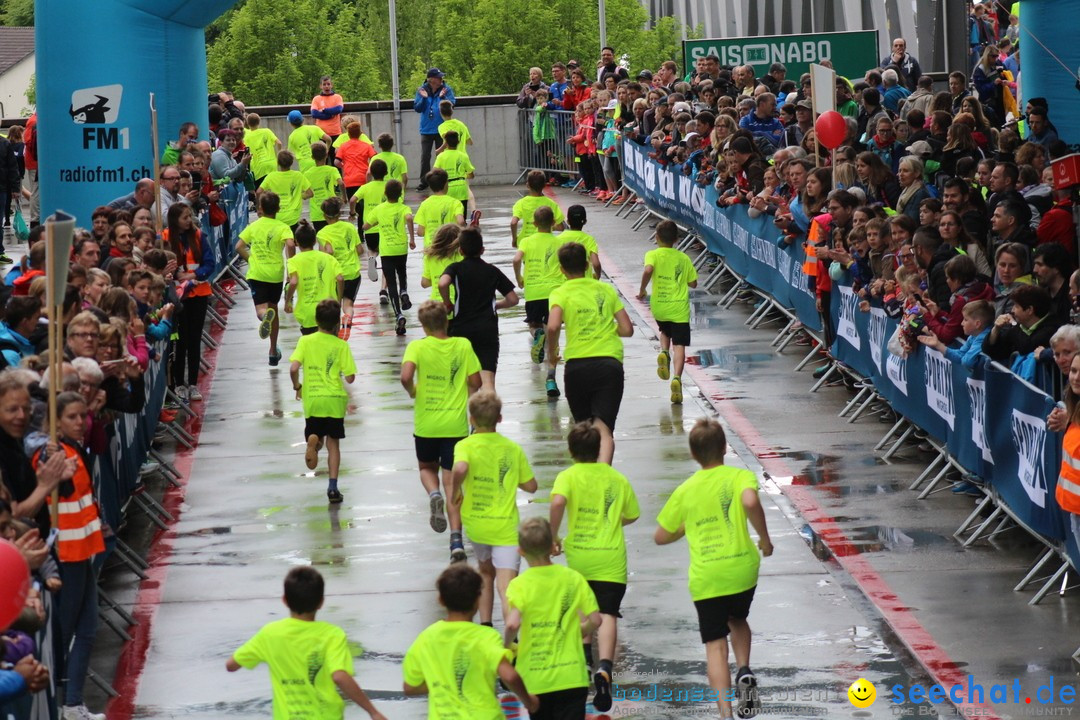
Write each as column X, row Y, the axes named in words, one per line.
column 753, row 247
column 993, row 423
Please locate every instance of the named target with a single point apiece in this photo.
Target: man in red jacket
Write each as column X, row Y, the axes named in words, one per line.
column 30, row 156
column 1057, row 224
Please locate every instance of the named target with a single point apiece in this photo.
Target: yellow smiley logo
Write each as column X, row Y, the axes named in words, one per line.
column 862, row 693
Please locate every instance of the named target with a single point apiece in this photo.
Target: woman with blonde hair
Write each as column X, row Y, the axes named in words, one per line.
column 913, row 189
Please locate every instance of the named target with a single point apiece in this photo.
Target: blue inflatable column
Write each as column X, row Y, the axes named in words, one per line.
column 97, row 63
column 1054, row 23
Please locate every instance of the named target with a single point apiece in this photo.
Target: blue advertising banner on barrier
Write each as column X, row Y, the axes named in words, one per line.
column 993, row 423
column 752, row 247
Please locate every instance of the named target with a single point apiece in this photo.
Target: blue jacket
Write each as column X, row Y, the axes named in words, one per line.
column 207, row 263
column 23, row 347
column 428, row 107
column 969, row 352
column 556, row 89
column 12, row 685
column 770, row 128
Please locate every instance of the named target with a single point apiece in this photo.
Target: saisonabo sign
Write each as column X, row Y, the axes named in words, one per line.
column 851, row 53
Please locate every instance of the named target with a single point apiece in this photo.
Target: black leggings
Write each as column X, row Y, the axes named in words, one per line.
column 393, row 268
column 188, row 348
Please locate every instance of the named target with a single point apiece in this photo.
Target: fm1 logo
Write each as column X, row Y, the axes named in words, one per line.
column 99, row 106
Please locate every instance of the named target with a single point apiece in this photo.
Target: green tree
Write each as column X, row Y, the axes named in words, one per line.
column 274, row 54
column 17, row 13
column 31, row 95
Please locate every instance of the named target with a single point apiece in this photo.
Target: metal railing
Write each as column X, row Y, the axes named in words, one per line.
column 542, row 141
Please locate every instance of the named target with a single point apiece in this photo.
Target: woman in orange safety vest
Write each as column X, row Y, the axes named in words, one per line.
column 79, row 539
column 1068, row 419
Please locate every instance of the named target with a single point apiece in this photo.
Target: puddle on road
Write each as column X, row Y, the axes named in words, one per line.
column 725, row 359
column 871, row 539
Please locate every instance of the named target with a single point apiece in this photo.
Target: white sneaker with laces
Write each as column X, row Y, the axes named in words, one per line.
column 80, row 712
column 193, row 393
column 182, row 392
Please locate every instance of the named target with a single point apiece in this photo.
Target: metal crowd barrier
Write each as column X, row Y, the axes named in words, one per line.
column 552, row 154
column 121, row 474
column 739, row 260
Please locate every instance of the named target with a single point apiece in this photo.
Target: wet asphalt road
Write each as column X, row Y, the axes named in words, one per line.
column 252, row 510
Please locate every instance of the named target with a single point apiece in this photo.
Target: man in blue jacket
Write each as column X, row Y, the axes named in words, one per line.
column 426, row 102
column 762, row 122
column 20, row 318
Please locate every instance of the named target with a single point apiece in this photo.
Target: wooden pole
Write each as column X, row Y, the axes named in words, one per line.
column 158, row 220
column 813, row 111
column 55, row 308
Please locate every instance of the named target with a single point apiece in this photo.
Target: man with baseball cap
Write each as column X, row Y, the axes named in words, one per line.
column 426, row 102
column 804, row 121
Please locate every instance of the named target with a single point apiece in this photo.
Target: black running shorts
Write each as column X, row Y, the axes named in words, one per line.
column 265, row 293
column 594, row 389
column 714, row 613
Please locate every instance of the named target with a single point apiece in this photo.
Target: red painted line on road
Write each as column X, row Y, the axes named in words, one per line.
column 900, row 618
column 133, row 657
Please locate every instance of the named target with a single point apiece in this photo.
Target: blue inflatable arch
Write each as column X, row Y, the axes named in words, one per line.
column 97, row 63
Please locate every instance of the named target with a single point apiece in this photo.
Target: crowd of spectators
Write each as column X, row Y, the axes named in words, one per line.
column 136, row 287
column 936, row 198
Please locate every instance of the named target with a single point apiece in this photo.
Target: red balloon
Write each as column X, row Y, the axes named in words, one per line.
column 14, row 583
column 830, row 129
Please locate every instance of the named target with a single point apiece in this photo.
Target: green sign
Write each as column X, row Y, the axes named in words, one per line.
column 851, row 53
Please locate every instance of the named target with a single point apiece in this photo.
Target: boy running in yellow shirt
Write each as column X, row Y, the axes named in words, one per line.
column 552, row 610
column 439, row 208
column 455, row 661
column 575, row 218
column 326, row 360
column 301, row 139
column 314, row 276
column 440, row 372
column 711, row 509
column 261, row 243
column 309, row 660
column 539, row 254
column 672, row 274
column 598, row 501
column 325, row 181
column 341, row 240
column 459, row 171
column 595, row 325
column 371, row 195
column 264, row 146
column 397, row 167
column 521, row 224
column 452, row 124
column 290, row 185
column 392, row 218
column 488, row 470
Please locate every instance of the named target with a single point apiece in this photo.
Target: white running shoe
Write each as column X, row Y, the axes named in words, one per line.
column 79, row 712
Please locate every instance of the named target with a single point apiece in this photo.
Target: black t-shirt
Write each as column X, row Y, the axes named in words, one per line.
column 476, row 283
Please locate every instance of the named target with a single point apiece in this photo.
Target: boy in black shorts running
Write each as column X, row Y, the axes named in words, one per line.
column 711, row 508
column 476, row 282
column 262, row 243
column 440, row 372
column 326, row 361
column 672, row 275
column 595, row 321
